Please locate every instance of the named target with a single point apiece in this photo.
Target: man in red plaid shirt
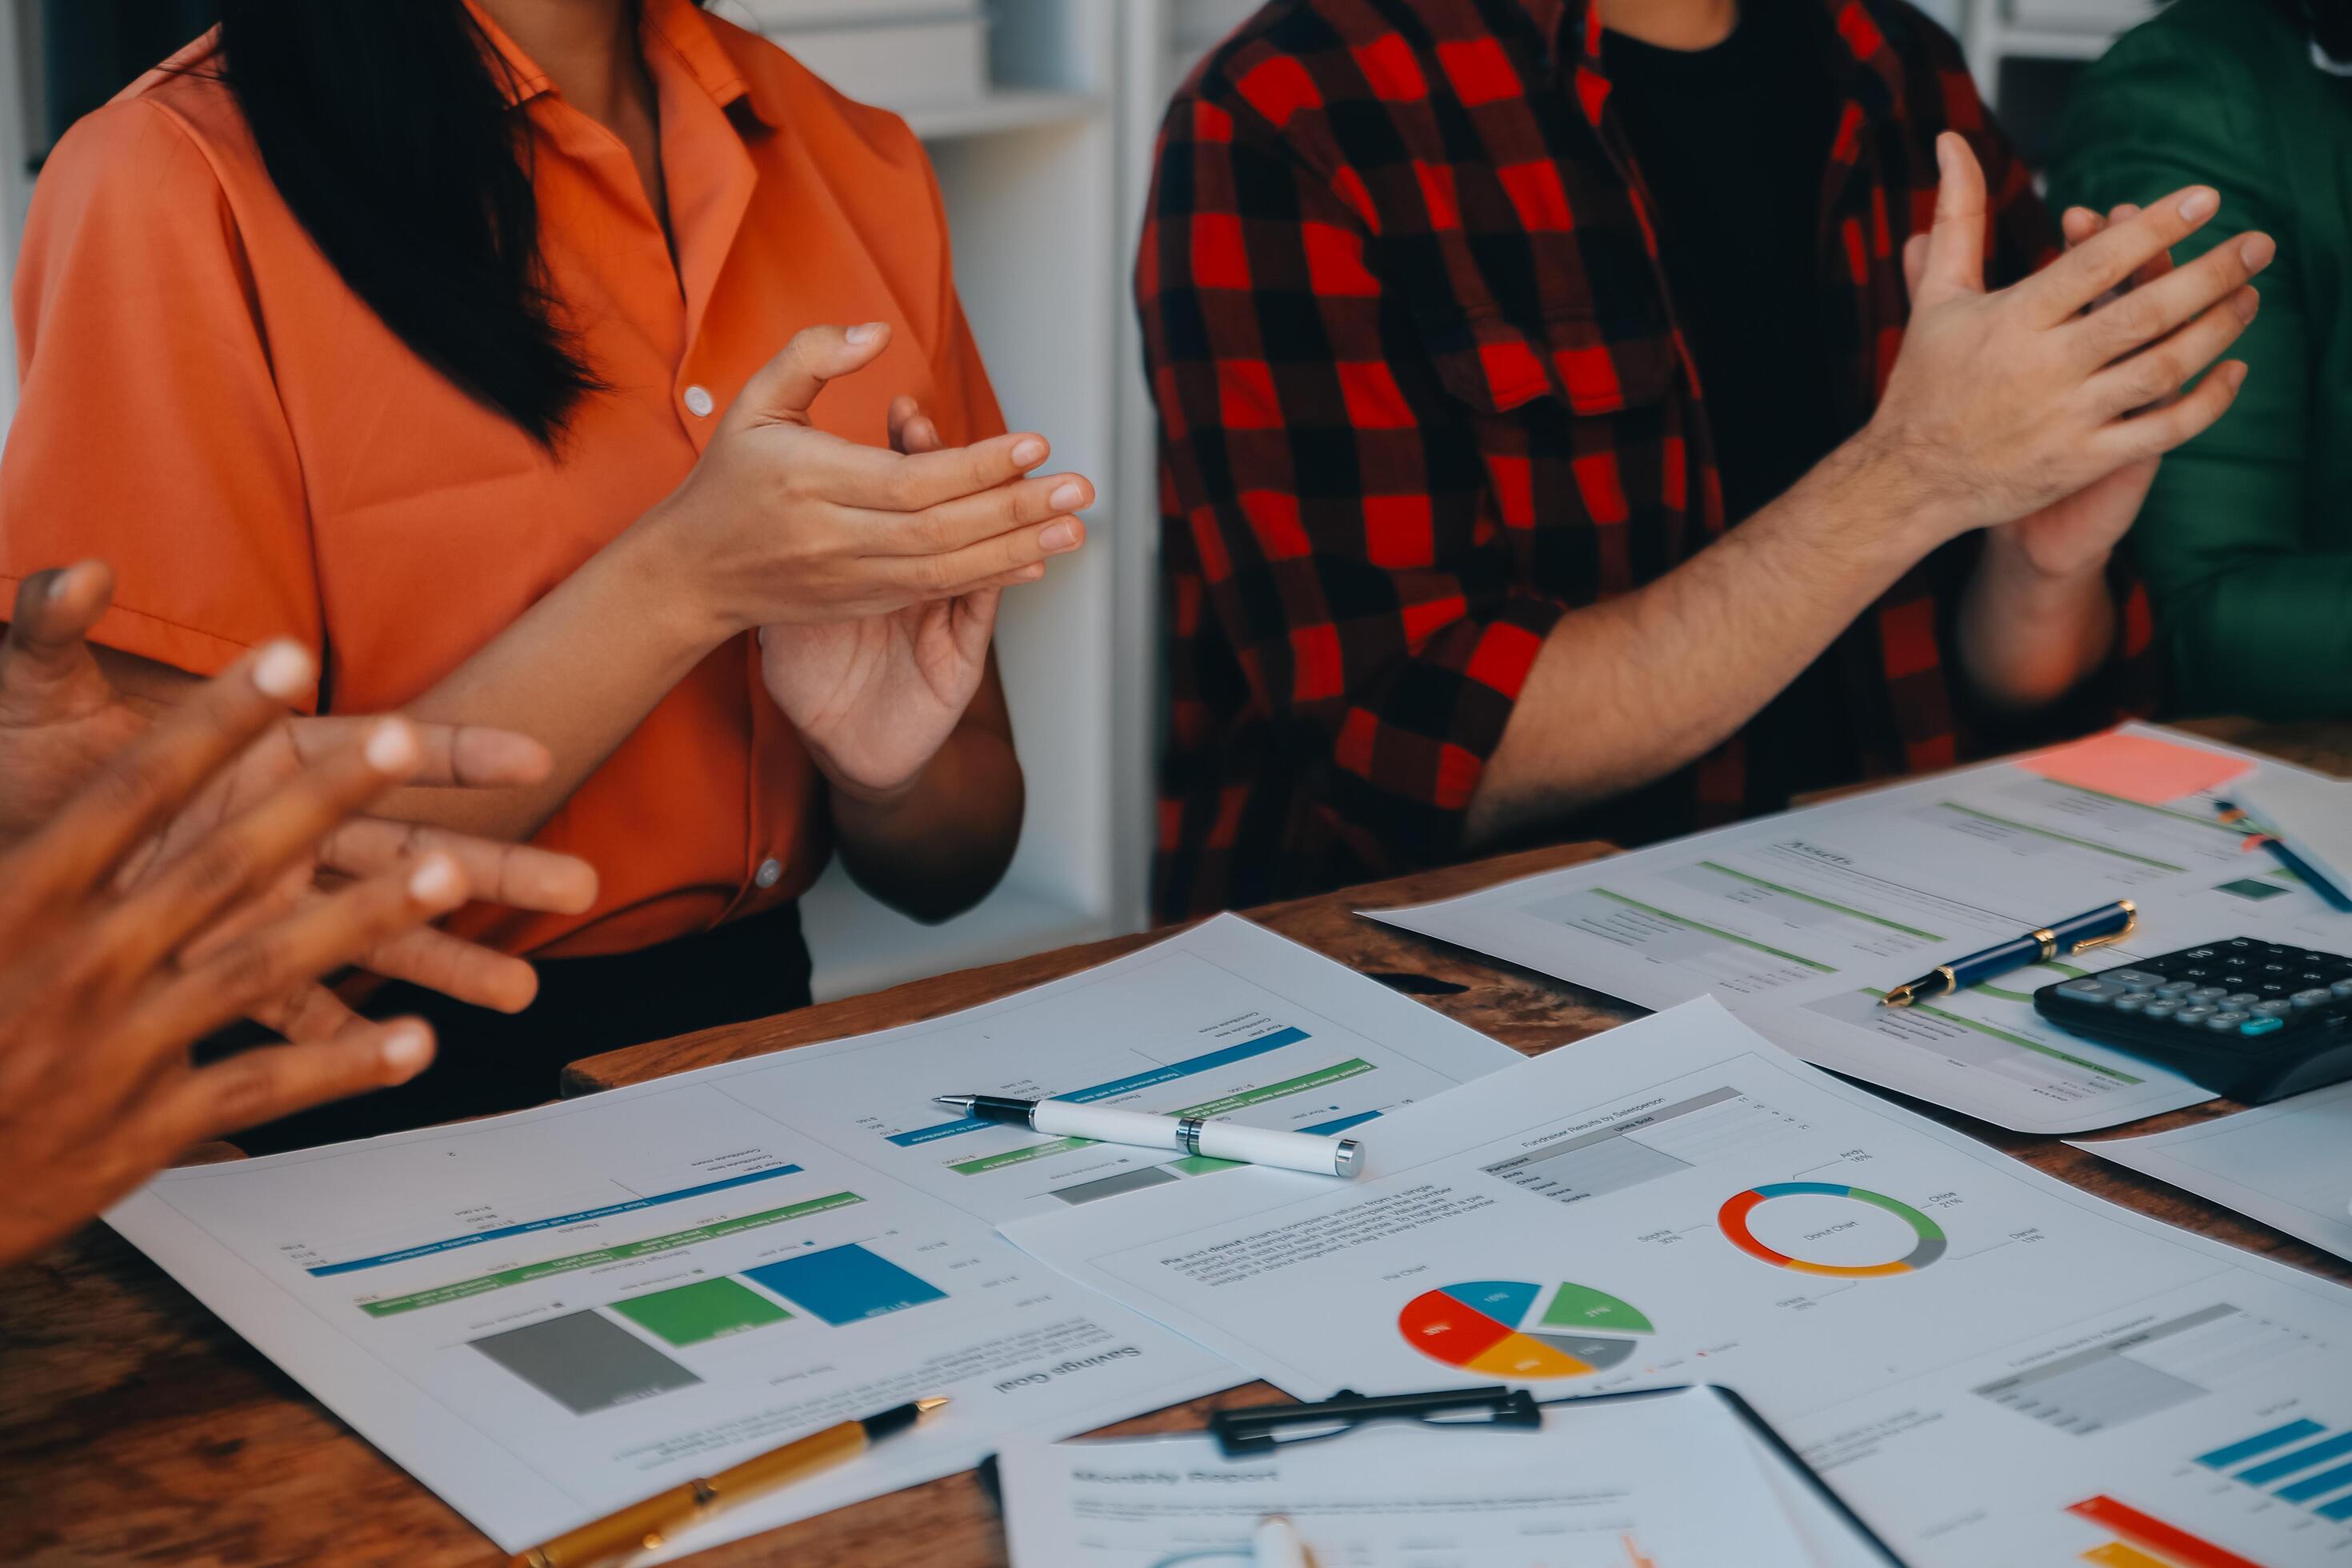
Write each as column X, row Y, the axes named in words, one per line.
column 1474, row 325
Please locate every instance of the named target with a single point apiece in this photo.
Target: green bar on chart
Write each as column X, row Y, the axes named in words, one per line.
column 707, row 1310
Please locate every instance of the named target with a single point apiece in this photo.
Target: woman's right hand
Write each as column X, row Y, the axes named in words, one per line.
column 781, row 524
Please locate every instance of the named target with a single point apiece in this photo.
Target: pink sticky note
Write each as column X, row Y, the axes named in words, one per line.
column 2137, row 767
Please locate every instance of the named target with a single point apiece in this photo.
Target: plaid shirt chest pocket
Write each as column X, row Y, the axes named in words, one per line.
column 1532, row 276
column 1497, row 362
column 1577, row 416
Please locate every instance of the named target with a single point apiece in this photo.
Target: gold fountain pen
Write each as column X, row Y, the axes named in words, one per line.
column 643, row 1526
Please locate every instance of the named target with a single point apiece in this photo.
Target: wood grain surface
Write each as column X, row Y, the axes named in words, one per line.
column 135, row 1427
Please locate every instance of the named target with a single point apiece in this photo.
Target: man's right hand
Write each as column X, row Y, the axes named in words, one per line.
column 2002, row 403
column 781, row 524
column 105, row 984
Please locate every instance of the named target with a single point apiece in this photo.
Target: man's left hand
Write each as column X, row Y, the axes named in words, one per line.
column 2072, row 539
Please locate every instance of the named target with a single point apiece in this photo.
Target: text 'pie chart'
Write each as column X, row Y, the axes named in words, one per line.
column 1829, row 1229
column 1512, row 1330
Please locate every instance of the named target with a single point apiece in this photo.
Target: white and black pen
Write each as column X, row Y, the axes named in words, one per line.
column 1189, row 1134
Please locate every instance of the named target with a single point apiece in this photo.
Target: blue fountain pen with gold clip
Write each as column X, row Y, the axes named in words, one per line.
column 2107, row 924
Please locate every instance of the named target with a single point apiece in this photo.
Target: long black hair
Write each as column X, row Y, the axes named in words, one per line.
column 386, row 126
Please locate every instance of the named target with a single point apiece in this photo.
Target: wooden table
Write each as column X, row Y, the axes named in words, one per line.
column 134, row 1426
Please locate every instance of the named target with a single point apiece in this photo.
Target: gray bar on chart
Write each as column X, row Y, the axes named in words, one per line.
column 2102, row 1387
column 585, row 1362
column 1602, row 1161
column 1111, row 1186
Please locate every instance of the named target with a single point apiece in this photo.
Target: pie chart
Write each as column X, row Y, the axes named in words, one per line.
column 1512, row 1330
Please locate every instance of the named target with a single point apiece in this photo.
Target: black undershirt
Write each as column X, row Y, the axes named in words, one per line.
column 1733, row 143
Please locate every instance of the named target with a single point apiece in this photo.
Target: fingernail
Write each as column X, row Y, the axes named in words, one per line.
column 2200, row 205
column 283, row 670
column 57, row 589
column 860, row 336
column 2249, row 304
column 1944, row 153
column 1060, row 537
column 407, row 1048
column 1031, row 573
column 2237, row 374
column 1066, row 496
column 1029, row 453
column 392, row 748
column 437, row 881
column 2257, row 251
column 2125, row 212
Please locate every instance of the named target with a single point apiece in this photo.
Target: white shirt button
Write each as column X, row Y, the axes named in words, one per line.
column 699, row 402
column 770, row 873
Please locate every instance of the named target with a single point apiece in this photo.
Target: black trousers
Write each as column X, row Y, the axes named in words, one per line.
column 490, row 1062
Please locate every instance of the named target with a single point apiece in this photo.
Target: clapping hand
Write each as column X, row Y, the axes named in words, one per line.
column 2075, row 534
column 2044, row 405
column 108, row 978
column 874, row 700
column 63, row 723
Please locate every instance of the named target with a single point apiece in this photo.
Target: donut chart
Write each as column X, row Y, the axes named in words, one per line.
column 1513, row 1329
column 1734, row 1219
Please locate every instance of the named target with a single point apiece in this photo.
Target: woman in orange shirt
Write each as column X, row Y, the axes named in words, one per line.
column 477, row 344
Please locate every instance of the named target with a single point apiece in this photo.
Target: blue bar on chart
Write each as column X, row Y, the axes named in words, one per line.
column 553, row 1222
column 2261, row 1443
column 2317, row 1486
column 1168, row 1073
column 2295, row 1463
column 2339, row 1511
column 845, row 1284
column 1326, row 1128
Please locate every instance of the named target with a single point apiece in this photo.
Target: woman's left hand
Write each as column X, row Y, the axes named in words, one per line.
column 875, row 699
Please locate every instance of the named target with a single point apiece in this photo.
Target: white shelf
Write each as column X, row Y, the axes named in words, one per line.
column 1034, row 201
column 1008, row 109
column 2007, row 41
column 2103, row 18
column 859, row 946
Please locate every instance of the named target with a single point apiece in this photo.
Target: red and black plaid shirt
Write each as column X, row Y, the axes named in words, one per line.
column 1421, row 394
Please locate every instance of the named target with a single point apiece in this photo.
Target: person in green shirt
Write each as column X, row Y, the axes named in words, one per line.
column 2246, row 540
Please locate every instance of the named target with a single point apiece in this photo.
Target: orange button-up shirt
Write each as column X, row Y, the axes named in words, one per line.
column 209, row 408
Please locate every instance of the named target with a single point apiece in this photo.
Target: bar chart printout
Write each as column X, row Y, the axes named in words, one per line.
column 2300, row 1462
column 1224, row 1022
column 2143, row 1541
column 546, row 1316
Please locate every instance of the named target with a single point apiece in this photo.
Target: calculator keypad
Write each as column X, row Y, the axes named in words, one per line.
column 2245, row 988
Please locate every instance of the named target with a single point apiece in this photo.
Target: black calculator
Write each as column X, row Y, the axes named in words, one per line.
column 2249, row 1019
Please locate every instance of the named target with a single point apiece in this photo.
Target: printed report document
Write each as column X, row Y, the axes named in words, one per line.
column 1610, row 1485
column 1988, row 1365
column 1799, row 922
column 548, row 1315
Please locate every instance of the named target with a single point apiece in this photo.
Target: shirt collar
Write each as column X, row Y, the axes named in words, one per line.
column 678, row 25
column 1862, row 49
